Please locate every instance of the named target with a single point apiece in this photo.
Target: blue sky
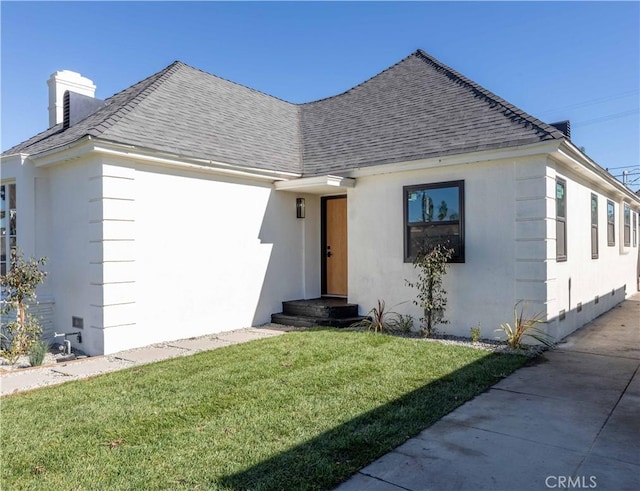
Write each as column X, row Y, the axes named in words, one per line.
column 555, row 60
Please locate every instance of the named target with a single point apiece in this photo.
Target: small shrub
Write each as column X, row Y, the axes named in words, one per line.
column 18, row 287
column 8, row 349
column 37, row 353
column 475, row 333
column 524, row 326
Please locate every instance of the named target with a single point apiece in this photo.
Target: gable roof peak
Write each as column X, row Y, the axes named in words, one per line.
column 509, row 109
column 181, row 64
column 355, row 87
column 417, row 108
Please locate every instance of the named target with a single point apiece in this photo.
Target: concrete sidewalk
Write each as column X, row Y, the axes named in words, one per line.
column 570, row 420
column 13, row 381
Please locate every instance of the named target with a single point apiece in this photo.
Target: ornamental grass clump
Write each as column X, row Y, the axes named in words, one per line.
column 475, row 333
column 379, row 319
column 524, row 326
column 37, row 353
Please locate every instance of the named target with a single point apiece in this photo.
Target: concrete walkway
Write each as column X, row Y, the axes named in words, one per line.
column 14, row 381
column 571, row 420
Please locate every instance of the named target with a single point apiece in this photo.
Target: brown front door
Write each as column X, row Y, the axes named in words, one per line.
column 335, row 246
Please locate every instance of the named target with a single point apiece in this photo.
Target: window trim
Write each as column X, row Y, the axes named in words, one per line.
column 561, row 221
column 594, row 227
column 611, row 234
column 635, row 229
column 407, row 258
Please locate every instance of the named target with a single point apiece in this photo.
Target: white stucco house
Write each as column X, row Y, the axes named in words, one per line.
column 187, row 204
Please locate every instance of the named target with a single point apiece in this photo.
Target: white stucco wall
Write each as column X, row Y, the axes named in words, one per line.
column 580, row 279
column 145, row 254
column 510, row 247
column 68, row 237
column 27, row 179
column 53, row 222
column 33, row 229
column 148, row 253
column 481, row 290
column 194, row 253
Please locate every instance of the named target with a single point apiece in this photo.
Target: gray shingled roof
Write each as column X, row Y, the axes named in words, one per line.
column 187, row 112
column 418, row 108
column 93, row 125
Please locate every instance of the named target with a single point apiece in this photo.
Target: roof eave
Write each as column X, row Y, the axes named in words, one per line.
column 89, row 144
column 20, row 156
column 320, row 185
column 529, row 150
column 574, row 158
column 68, row 151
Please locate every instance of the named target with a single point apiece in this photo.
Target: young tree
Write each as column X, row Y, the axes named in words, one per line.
column 432, row 297
column 18, row 288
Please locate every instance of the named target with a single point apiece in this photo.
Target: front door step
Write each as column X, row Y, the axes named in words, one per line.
column 333, row 312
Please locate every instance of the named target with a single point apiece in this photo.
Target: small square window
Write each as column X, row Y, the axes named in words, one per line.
column 434, row 214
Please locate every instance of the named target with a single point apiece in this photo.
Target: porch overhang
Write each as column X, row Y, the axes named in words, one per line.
column 321, row 185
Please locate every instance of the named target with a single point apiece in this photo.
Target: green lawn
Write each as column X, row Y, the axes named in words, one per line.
column 300, row 411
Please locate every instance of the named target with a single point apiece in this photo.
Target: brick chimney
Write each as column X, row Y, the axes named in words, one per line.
column 59, row 83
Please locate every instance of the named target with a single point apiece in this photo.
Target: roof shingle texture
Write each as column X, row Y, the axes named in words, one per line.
column 418, row 108
column 186, row 112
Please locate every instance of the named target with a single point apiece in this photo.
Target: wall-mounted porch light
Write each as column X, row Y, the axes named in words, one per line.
column 300, row 211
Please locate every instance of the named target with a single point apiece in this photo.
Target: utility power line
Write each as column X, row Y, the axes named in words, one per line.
column 622, row 114
column 592, row 102
column 622, row 167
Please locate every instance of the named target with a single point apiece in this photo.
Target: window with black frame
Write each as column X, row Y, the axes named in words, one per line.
column 611, row 223
column 8, row 225
column 561, row 220
column 594, row 226
column 627, row 225
column 434, row 214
